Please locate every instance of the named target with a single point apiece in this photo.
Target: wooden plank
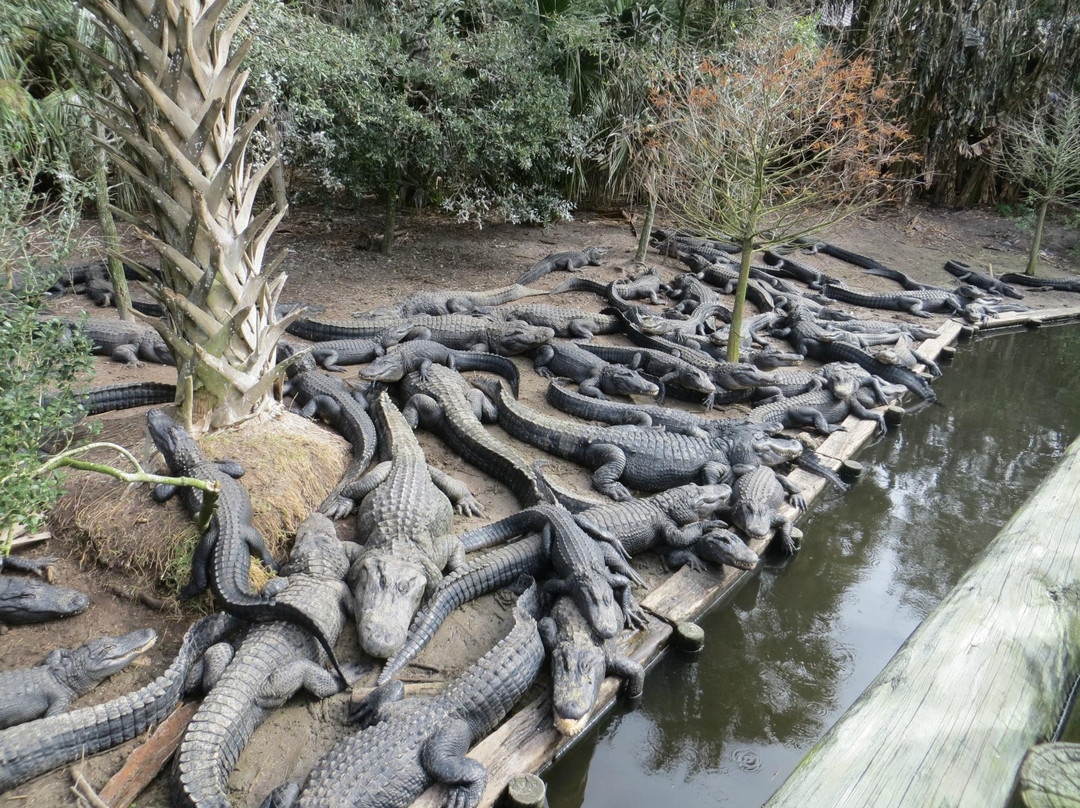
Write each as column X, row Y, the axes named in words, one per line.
column 33, row 538
column 947, row 335
column 984, row 677
column 1014, row 318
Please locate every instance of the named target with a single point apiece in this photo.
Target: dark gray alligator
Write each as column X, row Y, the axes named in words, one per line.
column 691, row 293
column 690, row 330
column 407, row 745
column 404, row 517
column 756, row 499
column 222, row 558
column 564, row 261
column 563, row 321
column 481, row 574
column 346, row 411
column 123, row 341
column 334, row 354
column 645, row 285
column 970, row 275
column 443, row 402
column 667, row 369
column 580, row 661
column 822, row 409
column 110, row 397
column 31, row 600
column 274, row 661
column 451, row 302
column 641, row 457
column 419, row 354
column 1060, row 284
column 905, row 280
column 904, row 353
column 920, row 302
column 595, row 376
column 790, row 268
column 65, row 675
column 36, row 747
column 726, row 276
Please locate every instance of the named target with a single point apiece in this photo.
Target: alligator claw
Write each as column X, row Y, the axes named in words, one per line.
column 797, row 501
column 470, row 506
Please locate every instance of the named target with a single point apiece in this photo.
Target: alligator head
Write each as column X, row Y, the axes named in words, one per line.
column 692, row 503
column 388, row 592
column 696, row 379
column 596, row 600
column 516, row 337
column 743, row 376
column 388, row 368
column 771, row 359
column 626, row 382
column 173, row 441
column 395, row 334
column 724, row 547
column 578, row 667
column 887, row 356
column 29, row 600
column 754, row 518
column 842, row 380
column 774, row 450
column 317, row 550
column 99, row 659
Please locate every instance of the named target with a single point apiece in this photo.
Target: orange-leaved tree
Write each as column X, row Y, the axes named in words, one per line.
column 777, row 139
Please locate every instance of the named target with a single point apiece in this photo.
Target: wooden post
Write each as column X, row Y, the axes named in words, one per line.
column 525, row 791
column 1050, row 776
column 979, row 682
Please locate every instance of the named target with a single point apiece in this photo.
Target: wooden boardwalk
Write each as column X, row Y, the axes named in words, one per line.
column 528, row 742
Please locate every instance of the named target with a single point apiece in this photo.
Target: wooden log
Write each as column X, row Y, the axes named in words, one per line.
column 1015, row 318
column 980, row 681
column 33, row 538
column 1050, row 776
column 145, row 762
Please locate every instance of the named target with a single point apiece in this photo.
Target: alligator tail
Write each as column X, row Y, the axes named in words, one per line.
column 489, row 363
column 846, row 255
column 811, row 461
column 112, row 397
column 581, row 285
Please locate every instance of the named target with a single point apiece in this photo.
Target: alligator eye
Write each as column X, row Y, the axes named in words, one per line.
column 607, row 598
column 583, row 666
column 403, row 587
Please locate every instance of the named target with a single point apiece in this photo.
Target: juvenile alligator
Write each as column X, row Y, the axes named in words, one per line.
column 124, row 342
column 419, row 354
column 782, row 265
column 580, row 661
column 274, row 661
column 595, row 376
column 407, row 745
column 451, row 302
column 346, row 411
column 334, row 354
column 39, row 746
column 452, row 330
column 823, row 409
column 862, row 327
column 906, row 281
column 840, row 253
column 563, row 321
column 1060, row 284
column 645, row 285
column 667, row 369
column 756, row 499
column 446, row 404
column 565, row 261
column 404, row 517
column 692, row 292
column 970, row 275
column 641, row 457
column 920, row 302
column 222, row 558
column 31, row 600
column 481, row 574
column 65, row 675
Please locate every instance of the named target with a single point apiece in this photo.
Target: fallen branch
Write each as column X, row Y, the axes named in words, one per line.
column 83, row 791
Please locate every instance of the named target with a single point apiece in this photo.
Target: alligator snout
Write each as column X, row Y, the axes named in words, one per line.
column 388, row 592
column 577, row 674
column 724, row 547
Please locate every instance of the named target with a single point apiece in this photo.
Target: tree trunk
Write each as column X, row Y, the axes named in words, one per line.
column 747, row 246
column 391, row 212
column 1033, row 259
column 121, row 293
column 646, row 230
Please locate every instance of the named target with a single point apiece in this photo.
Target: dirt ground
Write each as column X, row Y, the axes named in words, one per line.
column 326, row 267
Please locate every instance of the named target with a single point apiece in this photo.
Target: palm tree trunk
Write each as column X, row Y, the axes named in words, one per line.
column 747, row 246
column 646, row 230
column 1033, row 258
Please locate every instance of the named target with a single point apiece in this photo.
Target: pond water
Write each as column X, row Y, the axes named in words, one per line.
column 801, row 641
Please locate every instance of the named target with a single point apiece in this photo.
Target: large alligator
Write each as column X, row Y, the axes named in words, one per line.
column 641, row 457
column 666, row 368
column 452, row 330
column 451, row 302
column 274, row 661
column 346, row 411
column 595, row 376
column 124, row 342
column 420, row 354
column 32, row 600
column 222, row 558
column 1059, row 284
column 36, row 747
column 564, row 261
column 756, row 500
column 563, row 321
column 970, row 275
column 443, row 401
column 580, row 661
column 407, row 745
column 479, row 575
column 64, row 675
column 920, row 302
column 404, row 518
column 645, row 285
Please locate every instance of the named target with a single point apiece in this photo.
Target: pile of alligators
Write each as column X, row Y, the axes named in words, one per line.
column 686, row 483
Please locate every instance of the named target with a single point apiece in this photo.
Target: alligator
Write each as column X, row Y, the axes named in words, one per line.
column 31, row 600
column 718, row 547
column 771, row 358
column 756, row 499
column 222, row 558
column 110, row 397
column 36, row 747
column 580, row 661
column 664, row 367
column 905, row 281
column 564, row 261
column 419, row 354
column 272, row 663
column 847, row 256
column 823, row 409
column 692, row 292
column 970, row 275
column 726, row 277
column 462, row 331
column 563, row 321
column 689, row 331
column 479, row 575
column 445, row 403
column 407, row 745
column 451, row 302
column 346, row 411
column 904, row 353
column 786, row 383
column 595, row 376
column 862, row 327
column 790, row 268
column 404, row 517
column 123, row 341
column 334, row 354
column 1059, row 284
column 645, row 285
column 64, row 675
column 642, row 457
column 920, row 302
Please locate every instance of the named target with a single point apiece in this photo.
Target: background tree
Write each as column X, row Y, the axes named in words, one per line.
column 779, row 140
column 1040, row 151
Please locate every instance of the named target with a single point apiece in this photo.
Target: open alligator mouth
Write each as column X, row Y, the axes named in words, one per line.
column 571, row 726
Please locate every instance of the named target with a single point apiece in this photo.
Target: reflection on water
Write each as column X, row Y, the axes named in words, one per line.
column 803, row 640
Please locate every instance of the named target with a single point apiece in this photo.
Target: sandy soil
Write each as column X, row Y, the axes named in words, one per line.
column 326, row 267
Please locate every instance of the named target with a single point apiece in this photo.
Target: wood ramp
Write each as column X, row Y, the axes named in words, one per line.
column 527, row 741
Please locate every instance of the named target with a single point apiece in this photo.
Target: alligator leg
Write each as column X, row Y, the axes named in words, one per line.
column 812, row 416
column 916, row 308
column 677, row 559
column 200, row 563
column 374, row 706
column 632, row 674
column 443, row 758
column 284, row 682
column 213, row 663
column 230, row 467
column 422, row 410
column 600, row 534
column 632, row 611
column 356, row 491
column 329, row 362
column 931, row 365
column 483, row 409
column 861, row 411
column 544, row 355
column 579, row 330
column 619, row 565
column 795, row 496
column 126, row 354
column 608, row 462
column 457, row 492
column 257, row 546
column 591, row 387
